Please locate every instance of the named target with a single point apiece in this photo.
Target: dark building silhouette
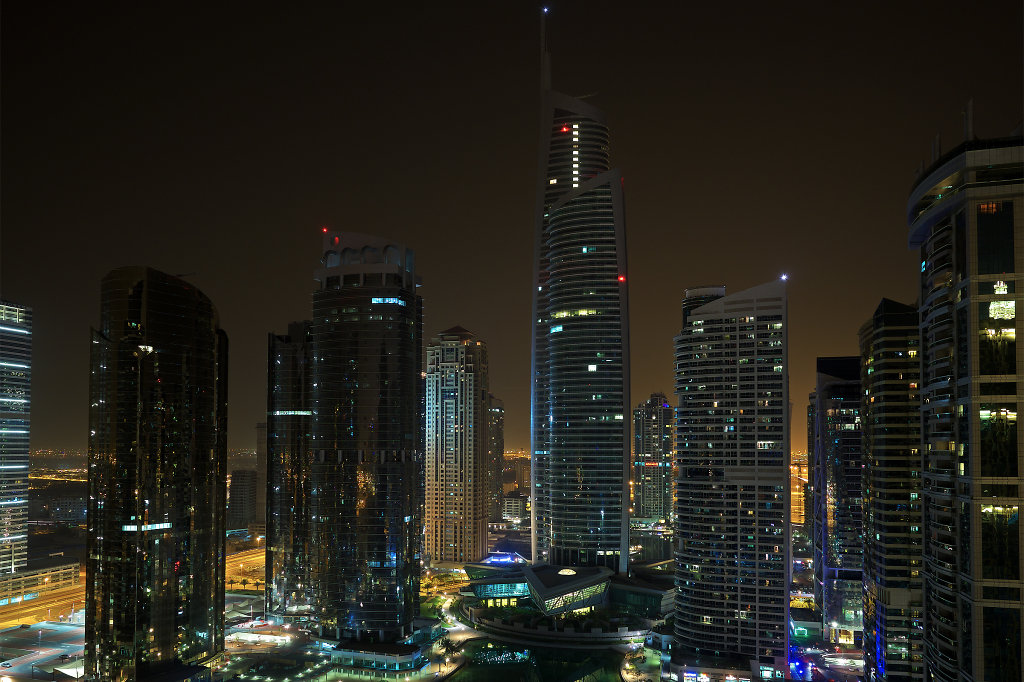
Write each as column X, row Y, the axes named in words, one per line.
column 965, row 215
column 580, row 394
column 289, row 462
column 157, row 458
column 261, row 476
column 242, row 498
column 834, row 466
column 891, row 425
column 495, row 454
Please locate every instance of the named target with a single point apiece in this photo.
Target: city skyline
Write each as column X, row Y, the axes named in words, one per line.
column 208, row 151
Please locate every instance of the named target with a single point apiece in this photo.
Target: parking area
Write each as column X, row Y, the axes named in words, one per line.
column 40, row 648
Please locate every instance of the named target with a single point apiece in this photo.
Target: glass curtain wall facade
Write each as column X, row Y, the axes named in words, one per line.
column 838, row 537
column 458, row 467
column 891, row 428
column 653, row 457
column 580, row 439
column 366, row 478
column 966, row 215
column 15, row 424
column 157, row 466
column 732, row 491
column 289, row 463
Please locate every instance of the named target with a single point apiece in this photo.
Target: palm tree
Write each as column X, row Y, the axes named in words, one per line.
column 449, row 647
column 245, row 583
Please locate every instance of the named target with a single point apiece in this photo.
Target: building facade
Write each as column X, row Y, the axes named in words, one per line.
column 242, row 498
column 261, row 476
column 366, row 478
column 580, row 439
column 495, row 454
column 289, row 463
column 732, row 493
column 459, row 469
column 15, row 424
column 653, row 457
column 966, row 215
column 891, row 426
column 835, row 463
column 157, row 466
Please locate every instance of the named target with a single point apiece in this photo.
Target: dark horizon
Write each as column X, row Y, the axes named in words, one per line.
column 217, row 143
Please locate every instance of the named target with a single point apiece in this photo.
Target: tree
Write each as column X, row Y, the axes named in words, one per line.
column 448, row 647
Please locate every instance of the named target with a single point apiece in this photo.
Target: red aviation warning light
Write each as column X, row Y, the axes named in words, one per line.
column 622, row 278
column 565, row 129
column 324, row 229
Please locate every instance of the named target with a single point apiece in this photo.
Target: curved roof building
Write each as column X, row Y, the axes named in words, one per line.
column 580, row 426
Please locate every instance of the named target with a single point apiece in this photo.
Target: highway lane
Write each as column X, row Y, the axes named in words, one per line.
column 49, row 606
column 53, row 605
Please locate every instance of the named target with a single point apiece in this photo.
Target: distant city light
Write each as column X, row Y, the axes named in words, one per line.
column 784, row 277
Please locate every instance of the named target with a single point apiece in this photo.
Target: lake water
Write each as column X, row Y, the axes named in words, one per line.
column 541, row 665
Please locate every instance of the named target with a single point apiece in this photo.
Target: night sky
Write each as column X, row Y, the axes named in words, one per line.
column 755, row 138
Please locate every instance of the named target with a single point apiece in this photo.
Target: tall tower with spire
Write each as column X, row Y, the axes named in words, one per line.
column 580, row 361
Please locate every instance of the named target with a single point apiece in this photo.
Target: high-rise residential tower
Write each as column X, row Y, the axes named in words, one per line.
column 891, row 424
column 458, row 467
column 495, row 454
column 15, row 420
column 261, row 475
column 835, row 464
column 289, row 463
column 966, row 215
column 157, row 465
column 366, row 473
column 732, row 494
column 580, row 366
column 653, row 457
column 242, row 490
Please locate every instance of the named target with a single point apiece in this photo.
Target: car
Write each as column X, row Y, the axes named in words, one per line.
column 5, row 664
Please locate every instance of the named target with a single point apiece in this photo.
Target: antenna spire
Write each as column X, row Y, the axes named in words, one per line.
column 545, row 58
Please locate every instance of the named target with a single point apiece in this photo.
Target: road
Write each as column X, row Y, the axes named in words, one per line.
column 53, row 605
column 248, row 566
column 50, row 606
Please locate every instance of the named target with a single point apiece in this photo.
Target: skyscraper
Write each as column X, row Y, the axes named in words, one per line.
column 242, row 498
column 157, row 464
column 653, row 451
column 458, row 467
column 367, row 464
column 580, row 357
column 289, row 463
column 835, row 464
column 732, row 494
column 495, row 454
column 15, row 424
column 260, row 512
column 965, row 215
column 891, row 424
